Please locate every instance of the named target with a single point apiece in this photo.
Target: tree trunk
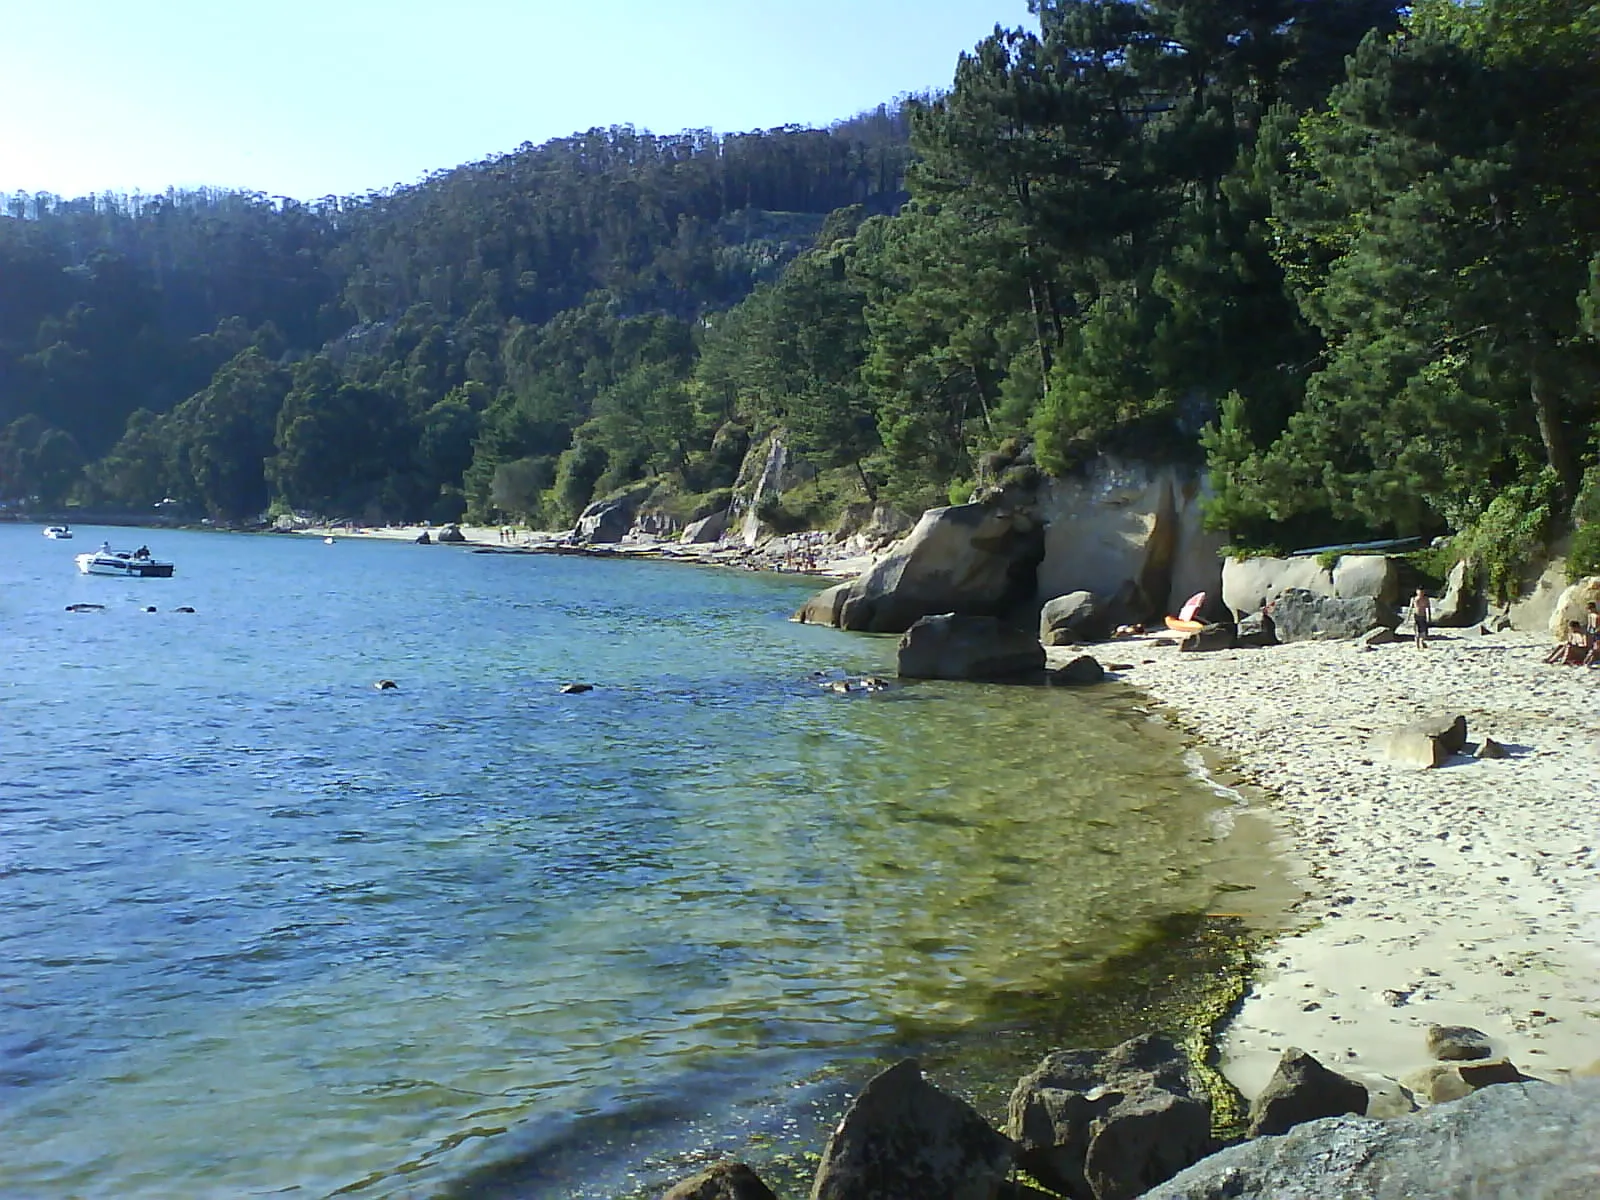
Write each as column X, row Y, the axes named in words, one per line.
column 1551, row 432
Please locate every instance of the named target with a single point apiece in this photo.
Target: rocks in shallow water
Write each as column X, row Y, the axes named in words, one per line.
column 823, row 608
column 1075, row 617
column 1426, row 743
column 576, row 689
column 1299, row 615
column 1457, row 1043
column 1302, row 1090
column 1110, row 1124
column 952, row 646
column 83, row 608
column 904, row 1139
column 1522, row 1142
column 386, row 685
column 1210, row 637
column 1085, row 669
column 725, row 1181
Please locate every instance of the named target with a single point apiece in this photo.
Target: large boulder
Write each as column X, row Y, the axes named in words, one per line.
column 1250, row 584
column 706, row 529
column 1299, row 615
column 956, row 646
column 1129, row 532
column 1462, row 602
column 1520, row 1141
column 1075, row 617
column 605, row 521
column 1573, row 604
column 975, row 559
column 1256, row 629
column 452, row 534
column 1301, row 1090
column 1108, row 1125
column 904, row 1139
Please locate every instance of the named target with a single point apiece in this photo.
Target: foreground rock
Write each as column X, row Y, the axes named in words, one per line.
column 1108, row 1125
column 1518, row 1142
column 725, row 1181
column 1426, row 743
column 954, row 646
column 1302, row 1090
column 973, row 559
column 904, row 1139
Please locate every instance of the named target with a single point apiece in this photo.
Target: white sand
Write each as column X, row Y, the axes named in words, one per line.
column 1467, row 894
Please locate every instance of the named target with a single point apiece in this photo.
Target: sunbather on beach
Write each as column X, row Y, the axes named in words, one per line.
column 1574, row 651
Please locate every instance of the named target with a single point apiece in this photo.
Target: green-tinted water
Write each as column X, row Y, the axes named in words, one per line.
column 268, row 928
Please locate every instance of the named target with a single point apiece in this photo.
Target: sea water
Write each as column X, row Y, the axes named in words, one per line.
column 268, row 929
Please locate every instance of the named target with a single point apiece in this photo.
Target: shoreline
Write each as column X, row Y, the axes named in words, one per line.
column 1467, row 894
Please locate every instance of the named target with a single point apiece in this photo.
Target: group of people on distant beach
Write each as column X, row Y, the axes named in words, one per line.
column 1582, row 645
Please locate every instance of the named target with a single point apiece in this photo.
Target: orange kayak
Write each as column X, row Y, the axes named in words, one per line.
column 1179, row 625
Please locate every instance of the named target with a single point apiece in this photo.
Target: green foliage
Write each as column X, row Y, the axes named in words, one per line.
column 1583, row 555
column 1511, row 534
column 961, row 490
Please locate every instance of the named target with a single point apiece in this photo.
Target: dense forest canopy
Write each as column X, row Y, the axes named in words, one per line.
column 1346, row 252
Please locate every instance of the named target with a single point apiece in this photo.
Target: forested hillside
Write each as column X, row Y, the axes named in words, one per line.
column 1346, row 252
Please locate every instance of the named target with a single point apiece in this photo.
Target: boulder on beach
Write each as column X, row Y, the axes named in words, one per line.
column 1249, row 584
column 1426, row 743
column 904, row 1139
column 1525, row 1141
column 453, row 534
column 1256, row 629
column 1075, row 617
column 1573, row 604
column 1457, row 1043
column 605, row 521
column 1111, row 1124
column 1219, row 636
column 973, row 559
column 956, row 646
column 1302, row 1089
column 1299, row 615
column 1081, row 671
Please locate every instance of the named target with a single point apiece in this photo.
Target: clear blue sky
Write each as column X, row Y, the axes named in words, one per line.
column 305, row 98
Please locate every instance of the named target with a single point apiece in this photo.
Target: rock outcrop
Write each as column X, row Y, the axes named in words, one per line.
column 1299, row 614
column 605, row 521
column 1527, row 1141
column 971, row 559
column 957, row 646
column 706, row 529
column 1108, row 1125
column 1130, row 531
column 904, row 1139
column 1426, row 743
column 1082, row 671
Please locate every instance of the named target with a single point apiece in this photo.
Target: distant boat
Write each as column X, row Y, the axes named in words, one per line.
column 327, row 541
column 138, row 565
column 60, row 532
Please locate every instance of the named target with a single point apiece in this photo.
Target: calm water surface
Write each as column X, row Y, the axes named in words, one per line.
column 267, row 930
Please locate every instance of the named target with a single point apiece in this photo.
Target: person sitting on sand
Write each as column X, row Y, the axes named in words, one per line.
column 1574, row 651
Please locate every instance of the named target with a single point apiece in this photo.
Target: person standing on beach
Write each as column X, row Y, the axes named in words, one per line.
column 1421, row 614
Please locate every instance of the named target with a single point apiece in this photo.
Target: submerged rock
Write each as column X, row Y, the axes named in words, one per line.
column 953, row 646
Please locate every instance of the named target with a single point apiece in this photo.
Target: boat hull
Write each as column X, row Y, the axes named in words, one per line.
column 127, row 568
column 1179, row 625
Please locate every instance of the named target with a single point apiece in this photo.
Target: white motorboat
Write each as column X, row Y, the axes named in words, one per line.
column 137, row 565
column 61, row 532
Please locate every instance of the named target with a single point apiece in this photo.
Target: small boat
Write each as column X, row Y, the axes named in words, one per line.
column 1185, row 621
column 1179, row 625
column 60, row 532
column 138, row 565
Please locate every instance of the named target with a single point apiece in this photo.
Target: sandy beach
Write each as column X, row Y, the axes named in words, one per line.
column 1466, row 894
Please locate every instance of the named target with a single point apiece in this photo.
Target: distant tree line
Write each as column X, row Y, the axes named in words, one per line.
column 1346, row 253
